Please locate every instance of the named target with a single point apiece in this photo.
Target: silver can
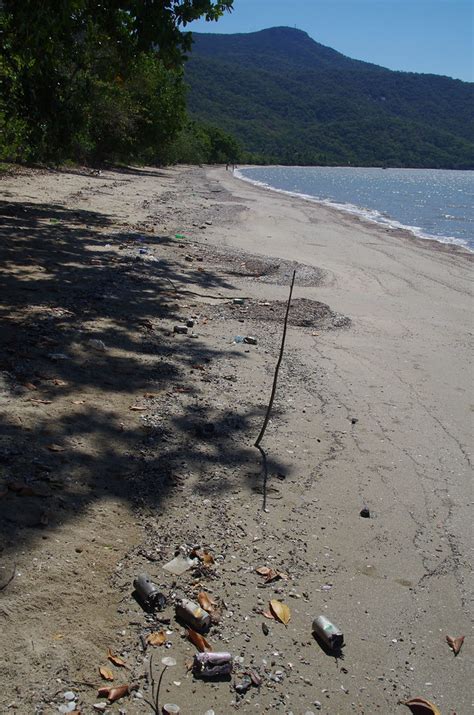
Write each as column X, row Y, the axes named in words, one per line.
column 191, row 613
column 212, row 665
column 330, row 634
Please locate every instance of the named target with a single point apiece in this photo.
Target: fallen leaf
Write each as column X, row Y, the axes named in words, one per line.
column 115, row 693
column 420, row 706
column 189, row 664
column 271, row 574
column 137, row 408
column 455, row 643
column 116, row 660
column 280, row 611
column 204, row 556
column 268, row 615
column 106, row 673
column 29, row 386
column 205, row 602
column 56, row 448
column 255, row 678
column 157, row 638
column 23, row 490
column 199, row 641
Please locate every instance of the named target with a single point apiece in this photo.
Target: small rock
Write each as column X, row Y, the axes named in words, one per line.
column 183, row 329
column 98, row 345
column 190, row 323
column 365, row 512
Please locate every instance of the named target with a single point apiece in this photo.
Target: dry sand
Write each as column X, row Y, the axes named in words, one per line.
column 373, row 407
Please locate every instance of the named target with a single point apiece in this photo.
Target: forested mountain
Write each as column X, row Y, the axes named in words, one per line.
column 288, row 99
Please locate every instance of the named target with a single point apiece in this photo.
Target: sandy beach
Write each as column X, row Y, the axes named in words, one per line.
column 118, row 454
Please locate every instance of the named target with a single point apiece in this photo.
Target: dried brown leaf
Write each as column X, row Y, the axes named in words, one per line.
column 205, row 602
column 156, row 638
column 280, row 611
column 114, row 693
column 420, row 706
column 29, row 386
column 455, row 643
column 199, row 641
column 269, row 615
column 263, row 570
column 204, row 556
column 116, row 660
column 106, row 673
column 23, row 490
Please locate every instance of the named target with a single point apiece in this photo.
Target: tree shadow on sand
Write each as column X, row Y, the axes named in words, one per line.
column 85, row 326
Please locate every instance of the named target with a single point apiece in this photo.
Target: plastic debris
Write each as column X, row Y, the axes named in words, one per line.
column 180, row 564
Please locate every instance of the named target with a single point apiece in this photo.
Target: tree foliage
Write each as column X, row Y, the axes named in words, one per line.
column 93, row 79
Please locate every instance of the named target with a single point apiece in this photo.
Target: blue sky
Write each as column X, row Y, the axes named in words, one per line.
column 434, row 36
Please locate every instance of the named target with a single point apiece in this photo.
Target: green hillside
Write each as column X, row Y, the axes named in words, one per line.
column 288, row 99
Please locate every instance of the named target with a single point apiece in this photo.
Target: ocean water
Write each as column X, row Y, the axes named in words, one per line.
column 431, row 203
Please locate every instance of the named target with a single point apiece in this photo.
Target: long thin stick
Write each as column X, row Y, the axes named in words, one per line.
column 275, row 377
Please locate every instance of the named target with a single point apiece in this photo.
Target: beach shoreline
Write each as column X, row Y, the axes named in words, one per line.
column 142, row 447
column 447, row 243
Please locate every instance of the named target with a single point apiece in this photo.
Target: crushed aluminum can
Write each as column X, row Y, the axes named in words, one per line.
column 191, row 613
column 212, row 665
column 148, row 594
column 328, row 633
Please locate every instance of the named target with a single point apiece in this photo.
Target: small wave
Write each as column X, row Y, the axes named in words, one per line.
column 371, row 215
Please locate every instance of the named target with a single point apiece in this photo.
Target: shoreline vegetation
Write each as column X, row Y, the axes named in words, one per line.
column 124, row 442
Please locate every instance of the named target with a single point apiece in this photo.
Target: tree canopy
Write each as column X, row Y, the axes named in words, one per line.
column 88, row 79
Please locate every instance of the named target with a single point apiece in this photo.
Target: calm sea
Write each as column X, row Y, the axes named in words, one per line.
column 431, row 203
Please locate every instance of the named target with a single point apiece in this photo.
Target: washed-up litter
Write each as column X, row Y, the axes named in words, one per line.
column 180, row 564
column 148, row 594
column 250, row 340
column 193, row 615
column 328, row 633
column 212, row 665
